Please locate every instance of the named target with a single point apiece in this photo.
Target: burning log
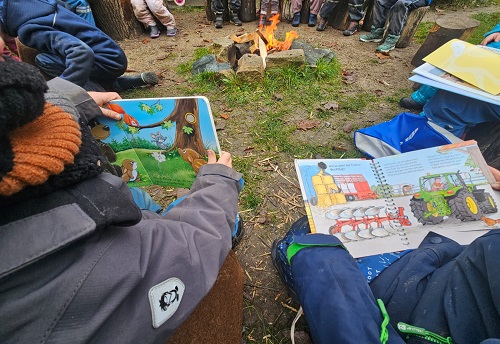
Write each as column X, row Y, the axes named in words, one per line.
column 262, row 36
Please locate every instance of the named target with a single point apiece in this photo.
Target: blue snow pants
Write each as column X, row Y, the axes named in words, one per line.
column 443, row 287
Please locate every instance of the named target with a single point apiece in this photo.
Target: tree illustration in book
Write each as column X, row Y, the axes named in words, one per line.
column 161, row 141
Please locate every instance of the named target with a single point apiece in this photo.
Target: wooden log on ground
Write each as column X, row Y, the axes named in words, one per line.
column 368, row 18
column 339, row 19
column 304, row 12
column 248, row 10
column 411, row 25
column 445, row 29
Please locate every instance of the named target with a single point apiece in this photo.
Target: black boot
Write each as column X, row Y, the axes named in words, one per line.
column 234, row 19
column 124, row 83
column 219, row 20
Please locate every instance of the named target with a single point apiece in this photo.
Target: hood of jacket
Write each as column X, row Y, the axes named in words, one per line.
column 16, row 13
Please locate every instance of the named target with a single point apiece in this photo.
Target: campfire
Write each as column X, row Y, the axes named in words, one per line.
column 250, row 54
column 261, row 42
column 266, row 33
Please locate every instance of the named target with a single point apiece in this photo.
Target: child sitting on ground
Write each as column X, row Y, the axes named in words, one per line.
column 144, row 11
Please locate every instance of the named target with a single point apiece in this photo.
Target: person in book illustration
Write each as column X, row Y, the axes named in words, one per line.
column 424, row 93
column 437, row 185
column 74, row 230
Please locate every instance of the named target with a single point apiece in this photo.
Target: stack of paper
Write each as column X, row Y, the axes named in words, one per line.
column 463, row 68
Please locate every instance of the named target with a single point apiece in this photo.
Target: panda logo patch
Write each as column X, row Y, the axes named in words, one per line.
column 164, row 299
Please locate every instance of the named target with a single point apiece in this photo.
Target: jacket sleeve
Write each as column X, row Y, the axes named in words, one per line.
column 495, row 29
column 76, row 55
column 86, row 106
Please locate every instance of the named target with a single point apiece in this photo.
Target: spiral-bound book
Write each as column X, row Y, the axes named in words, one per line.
column 389, row 204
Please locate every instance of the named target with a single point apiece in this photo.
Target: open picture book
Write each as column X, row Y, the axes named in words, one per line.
column 162, row 141
column 389, row 204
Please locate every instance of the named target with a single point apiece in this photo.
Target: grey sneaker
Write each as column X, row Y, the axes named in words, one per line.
column 155, row 32
column 233, row 17
column 322, row 24
column 219, row 20
column 171, row 32
column 389, row 44
column 375, row 35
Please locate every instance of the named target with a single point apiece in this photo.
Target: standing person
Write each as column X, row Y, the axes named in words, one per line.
column 74, row 243
column 396, row 12
column 355, row 14
column 264, row 6
column 314, row 7
column 69, row 46
column 234, row 9
column 144, row 11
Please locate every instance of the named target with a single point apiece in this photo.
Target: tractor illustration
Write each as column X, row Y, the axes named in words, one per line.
column 448, row 194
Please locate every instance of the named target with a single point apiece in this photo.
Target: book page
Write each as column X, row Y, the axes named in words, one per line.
column 160, row 141
column 468, row 62
column 453, row 84
column 378, row 212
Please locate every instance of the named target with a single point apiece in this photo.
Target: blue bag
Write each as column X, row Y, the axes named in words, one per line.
column 404, row 133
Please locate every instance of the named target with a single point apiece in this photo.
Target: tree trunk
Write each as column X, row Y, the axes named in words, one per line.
column 304, row 12
column 185, row 115
column 411, row 25
column 116, row 18
column 445, row 29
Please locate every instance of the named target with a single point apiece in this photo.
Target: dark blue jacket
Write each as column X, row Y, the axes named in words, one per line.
column 45, row 25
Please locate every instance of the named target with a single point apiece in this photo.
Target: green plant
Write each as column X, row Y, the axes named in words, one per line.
column 488, row 21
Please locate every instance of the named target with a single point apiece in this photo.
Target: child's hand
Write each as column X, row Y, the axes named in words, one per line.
column 496, row 174
column 102, row 98
column 225, row 158
column 494, row 37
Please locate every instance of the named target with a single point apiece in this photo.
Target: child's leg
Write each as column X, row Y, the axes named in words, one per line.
column 142, row 13
column 424, row 94
column 162, row 13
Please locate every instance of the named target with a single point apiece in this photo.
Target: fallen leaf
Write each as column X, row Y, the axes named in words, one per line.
column 224, row 115
column 349, row 77
column 308, row 124
column 378, row 92
column 146, row 40
column 383, row 56
column 248, row 149
column 278, row 97
column 225, row 108
column 348, row 127
column 331, row 106
column 383, row 82
column 339, row 148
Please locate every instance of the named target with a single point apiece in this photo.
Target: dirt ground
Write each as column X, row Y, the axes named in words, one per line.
column 268, row 309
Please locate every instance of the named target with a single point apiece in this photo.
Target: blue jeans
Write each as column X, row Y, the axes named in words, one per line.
column 397, row 11
column 355, row 9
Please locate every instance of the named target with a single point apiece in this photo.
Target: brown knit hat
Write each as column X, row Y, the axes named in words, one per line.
column 42, row 148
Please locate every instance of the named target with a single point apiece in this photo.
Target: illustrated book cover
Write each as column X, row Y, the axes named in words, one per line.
column 389, row 204
column 428, row 74
column 474, row 64
column 161, row 141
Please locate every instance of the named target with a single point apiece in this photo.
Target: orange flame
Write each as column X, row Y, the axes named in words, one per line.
column 272, row 42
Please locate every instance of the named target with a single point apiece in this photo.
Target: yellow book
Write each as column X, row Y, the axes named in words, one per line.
column 477, row 65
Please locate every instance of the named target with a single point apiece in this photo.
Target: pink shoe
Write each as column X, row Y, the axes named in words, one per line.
column 180, row 2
